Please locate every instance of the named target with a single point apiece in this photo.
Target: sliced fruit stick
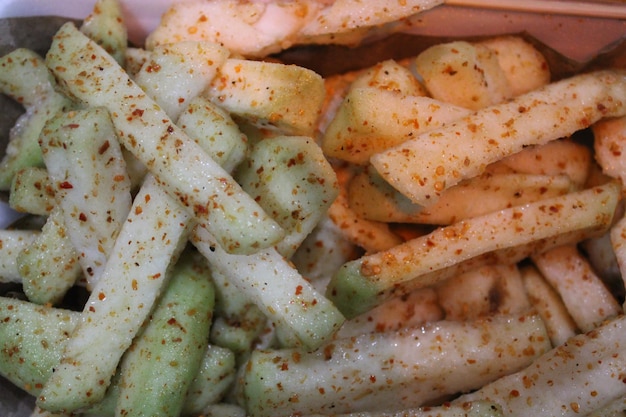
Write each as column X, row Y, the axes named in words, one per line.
column 504, row 236
column 12, row 242
column 468, row 409
column 389, row 75
column 291, row 179
column 106, row 25
column 464, row 74
column 270, row 95
column 610, row 145
column 423, row 167
column 524, row 66
column 393, row 370
column 188, row 173
column 50, row 265
column 277, row 288
column 213, row 381
column 150, row 240
column 32, row 339
column 372, row 236
column 558, row 157
column 32, row 192
column 165, row 356
column 216, row 132
column 371, row 120
column 546, row 301
column 91, row 185
column 373, row 198
column 412, row 310
column 174, row 74
column 25, row 78
column 576, row 378
column 586, row 297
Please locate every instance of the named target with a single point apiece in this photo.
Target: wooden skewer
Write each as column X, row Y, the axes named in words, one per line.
column 572, row 8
